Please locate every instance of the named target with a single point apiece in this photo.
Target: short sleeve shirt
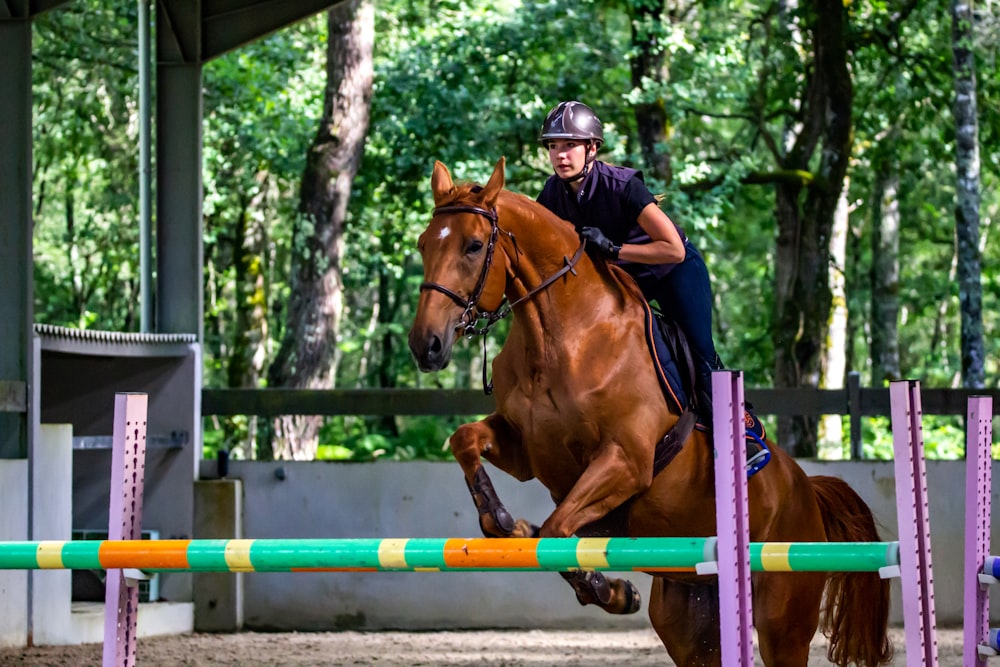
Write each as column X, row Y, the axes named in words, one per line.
column 611, row 199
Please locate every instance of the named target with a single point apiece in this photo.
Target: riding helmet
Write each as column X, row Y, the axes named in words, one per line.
column 572, row 120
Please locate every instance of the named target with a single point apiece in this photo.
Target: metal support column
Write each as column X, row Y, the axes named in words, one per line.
column 16, row 307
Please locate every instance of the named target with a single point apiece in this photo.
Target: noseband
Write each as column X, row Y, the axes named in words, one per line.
column 472, row 313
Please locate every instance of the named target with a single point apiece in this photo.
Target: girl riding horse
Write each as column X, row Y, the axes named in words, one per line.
column 566, row 386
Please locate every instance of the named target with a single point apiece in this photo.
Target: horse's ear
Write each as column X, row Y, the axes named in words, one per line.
column 495, row 185
column 441, row 183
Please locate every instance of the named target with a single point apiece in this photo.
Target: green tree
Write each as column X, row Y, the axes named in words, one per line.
column 85, row 173
column 260, row 103
column 306, row 358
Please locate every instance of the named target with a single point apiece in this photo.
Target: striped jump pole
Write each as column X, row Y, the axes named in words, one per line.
column 563, row 554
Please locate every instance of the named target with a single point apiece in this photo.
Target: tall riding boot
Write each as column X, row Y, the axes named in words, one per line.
column 757, row 452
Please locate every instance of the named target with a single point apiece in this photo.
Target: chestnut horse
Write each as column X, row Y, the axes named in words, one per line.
column 579, row 407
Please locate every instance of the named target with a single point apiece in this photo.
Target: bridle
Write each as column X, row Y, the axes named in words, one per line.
column 472, row 314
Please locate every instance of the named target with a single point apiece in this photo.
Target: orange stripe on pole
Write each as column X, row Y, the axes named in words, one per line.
column 654, row 570
column 335, row 569
column 484, row 552
column 160, row 554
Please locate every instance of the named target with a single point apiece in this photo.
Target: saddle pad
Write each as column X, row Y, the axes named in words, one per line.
column 675, row 390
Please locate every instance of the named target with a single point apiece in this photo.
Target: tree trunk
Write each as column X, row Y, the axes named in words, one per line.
column 805, row 218
column 834, row 365
column 307, row 357
column 248, row 337
column 650, row 72
column 885, row 270
column 970, row 290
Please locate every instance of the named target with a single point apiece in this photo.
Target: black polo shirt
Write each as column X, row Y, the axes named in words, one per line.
column 611, row 199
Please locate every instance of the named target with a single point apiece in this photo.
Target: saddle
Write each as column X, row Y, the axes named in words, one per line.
column 675, row 369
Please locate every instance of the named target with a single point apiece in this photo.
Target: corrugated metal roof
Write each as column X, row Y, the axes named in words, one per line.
column 113, row 337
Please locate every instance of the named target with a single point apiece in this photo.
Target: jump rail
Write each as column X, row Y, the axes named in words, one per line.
column 564, row 554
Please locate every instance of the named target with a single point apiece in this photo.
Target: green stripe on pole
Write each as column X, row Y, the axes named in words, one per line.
column 841, row 556
column 207, row 555
column 624, row 553
column 81, row 555
column 19, row 555
column 426, row 553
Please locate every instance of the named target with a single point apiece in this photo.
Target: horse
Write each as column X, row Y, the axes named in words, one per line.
column 579, row 408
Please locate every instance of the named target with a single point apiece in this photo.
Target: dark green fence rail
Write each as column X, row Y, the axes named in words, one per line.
column 853, row 400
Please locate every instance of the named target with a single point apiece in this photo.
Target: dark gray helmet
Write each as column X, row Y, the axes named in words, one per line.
column 572, row 120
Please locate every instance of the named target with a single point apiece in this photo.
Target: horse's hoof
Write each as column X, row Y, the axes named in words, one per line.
column 633, row 600
column 496, row 523
column 524, row 528
column 494, row 519
column 615, row 596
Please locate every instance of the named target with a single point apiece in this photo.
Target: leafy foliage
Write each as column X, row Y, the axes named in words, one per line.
column 85, row 175
column 468, row 81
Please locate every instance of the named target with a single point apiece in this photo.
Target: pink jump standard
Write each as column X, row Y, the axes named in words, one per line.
column 128, row 471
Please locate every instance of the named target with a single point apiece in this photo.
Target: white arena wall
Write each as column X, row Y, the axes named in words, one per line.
column 424, row 499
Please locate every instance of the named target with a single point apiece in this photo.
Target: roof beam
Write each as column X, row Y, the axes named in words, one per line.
column 229, row 24
column 196, row 31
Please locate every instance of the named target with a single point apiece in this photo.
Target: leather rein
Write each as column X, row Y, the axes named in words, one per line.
column 473, row 314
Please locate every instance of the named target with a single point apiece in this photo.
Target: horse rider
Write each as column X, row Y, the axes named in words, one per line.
column 614, row 211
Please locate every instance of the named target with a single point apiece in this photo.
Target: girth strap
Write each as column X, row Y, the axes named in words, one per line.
column 670, row 445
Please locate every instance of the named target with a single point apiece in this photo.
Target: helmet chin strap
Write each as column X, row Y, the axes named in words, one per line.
column 583, row 172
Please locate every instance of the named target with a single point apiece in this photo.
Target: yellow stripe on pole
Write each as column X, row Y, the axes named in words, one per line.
column 774, row 557
column 392, row 553
column 238, row 555
column 49, row 555
column 592, row 552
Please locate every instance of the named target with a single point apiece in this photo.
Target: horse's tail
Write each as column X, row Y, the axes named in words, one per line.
column 856, row 613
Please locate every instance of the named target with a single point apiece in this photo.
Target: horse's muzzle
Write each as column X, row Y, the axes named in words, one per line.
column 431, row 350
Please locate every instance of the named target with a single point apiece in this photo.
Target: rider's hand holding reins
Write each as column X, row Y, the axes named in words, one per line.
column 600, row 241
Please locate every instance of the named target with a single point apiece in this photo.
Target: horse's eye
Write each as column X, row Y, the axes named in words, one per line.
column 474, row 246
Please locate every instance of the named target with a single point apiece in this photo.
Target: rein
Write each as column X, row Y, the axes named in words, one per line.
column 472, row 314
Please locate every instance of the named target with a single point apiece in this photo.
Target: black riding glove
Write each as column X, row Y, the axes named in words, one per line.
column 600, row 241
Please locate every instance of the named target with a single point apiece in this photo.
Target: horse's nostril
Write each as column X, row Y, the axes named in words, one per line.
column 434, row 348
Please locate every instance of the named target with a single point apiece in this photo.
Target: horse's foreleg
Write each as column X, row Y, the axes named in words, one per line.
column 490, row 438
column 608, row 481
column 611, row 478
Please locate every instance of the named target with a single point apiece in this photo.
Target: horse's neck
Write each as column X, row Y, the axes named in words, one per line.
column 544, row 246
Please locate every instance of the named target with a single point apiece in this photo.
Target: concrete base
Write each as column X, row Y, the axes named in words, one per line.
column 218, row 596
column 155, row 618
column 13, row 526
